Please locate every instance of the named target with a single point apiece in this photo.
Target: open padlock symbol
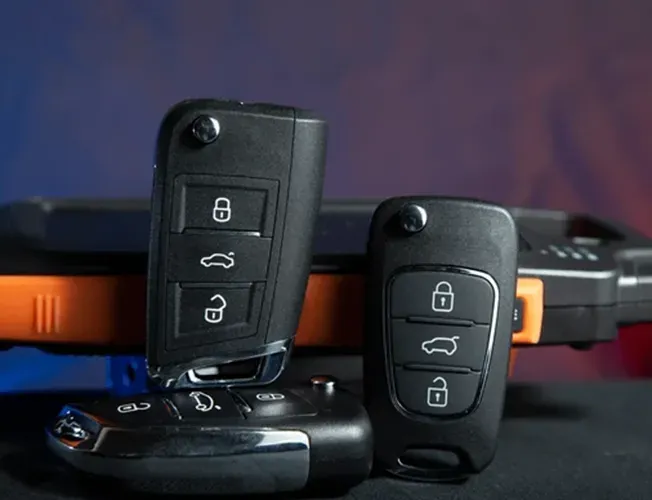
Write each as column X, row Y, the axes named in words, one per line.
column 215, row 314
column 438, row 393
column 443, row 298
column 222, row 210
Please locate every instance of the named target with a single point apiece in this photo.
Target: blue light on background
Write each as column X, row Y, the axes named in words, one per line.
column 27, row 369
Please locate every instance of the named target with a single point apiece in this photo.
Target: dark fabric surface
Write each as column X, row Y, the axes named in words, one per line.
column 558, row 441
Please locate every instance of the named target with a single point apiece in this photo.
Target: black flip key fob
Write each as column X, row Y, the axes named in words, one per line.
column 221, row 441
column 441, row 291
column 237, row 190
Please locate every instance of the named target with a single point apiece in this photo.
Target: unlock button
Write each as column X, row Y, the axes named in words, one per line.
column 432, row 393
column 438, row 393
column 213, row 312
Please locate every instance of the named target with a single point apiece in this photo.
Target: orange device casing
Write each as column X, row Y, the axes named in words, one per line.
column 106, row 314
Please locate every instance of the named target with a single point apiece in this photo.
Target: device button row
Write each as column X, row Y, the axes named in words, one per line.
column 261, row 403
column 193, row 407
column 218, row 257
column 440, row 329
column 421, row 335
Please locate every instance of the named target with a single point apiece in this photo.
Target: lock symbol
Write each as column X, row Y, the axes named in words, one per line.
column 132, row 407
column 443, row 297
column 215, row 314
column 438, row 393
column 222, row 210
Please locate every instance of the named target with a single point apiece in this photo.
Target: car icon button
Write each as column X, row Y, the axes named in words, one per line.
column 439, row 344
column 216, row 258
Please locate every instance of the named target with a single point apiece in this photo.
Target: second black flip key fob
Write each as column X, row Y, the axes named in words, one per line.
column 441, row 291
column 237, row 190
column 222, row 442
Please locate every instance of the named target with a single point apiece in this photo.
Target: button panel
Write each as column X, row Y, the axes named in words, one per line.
column 442, row 345
column 440, row 329
column 223, row 311
column 219, row 248
column 275, row 404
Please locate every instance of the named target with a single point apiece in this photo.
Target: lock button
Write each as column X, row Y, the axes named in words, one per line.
column 224, row 203
column 443, row 298
column 446, row 295
column 131, row 411
column 432, row 393
column 222, row 210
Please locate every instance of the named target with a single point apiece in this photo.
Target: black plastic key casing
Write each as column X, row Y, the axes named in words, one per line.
column 231, row 238
column 439, row 313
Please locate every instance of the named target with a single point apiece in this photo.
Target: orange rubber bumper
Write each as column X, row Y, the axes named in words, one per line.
column 108, row 312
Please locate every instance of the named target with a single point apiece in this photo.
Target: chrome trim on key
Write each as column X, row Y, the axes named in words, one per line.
column 272, row 360
column 248, row 459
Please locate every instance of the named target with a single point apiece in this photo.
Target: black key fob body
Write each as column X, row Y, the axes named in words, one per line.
column 220, row 441
column 440, row 301
column 237, row 189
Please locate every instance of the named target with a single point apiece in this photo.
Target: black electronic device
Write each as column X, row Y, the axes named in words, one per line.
column 237, row 190
column 597, row 273
column 220, row 441
column 440, row 298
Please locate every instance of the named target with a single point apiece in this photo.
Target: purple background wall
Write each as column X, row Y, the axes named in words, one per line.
column 525, row 103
